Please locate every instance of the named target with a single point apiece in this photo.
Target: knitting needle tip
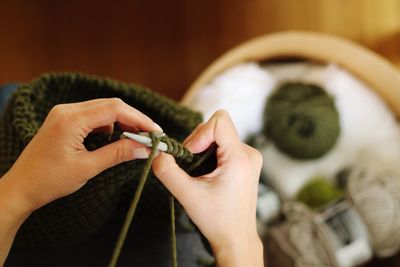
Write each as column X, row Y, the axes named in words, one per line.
column 143, row 138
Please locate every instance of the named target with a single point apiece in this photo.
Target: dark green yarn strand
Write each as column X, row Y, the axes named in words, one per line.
column 177, row 150
column 174, row 252
column 134, row 203
column 302, row 121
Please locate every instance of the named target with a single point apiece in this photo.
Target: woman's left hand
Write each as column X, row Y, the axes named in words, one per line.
column 56, row 163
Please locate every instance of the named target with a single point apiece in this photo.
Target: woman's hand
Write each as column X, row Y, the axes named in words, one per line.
column 56, row 163
column 222, row 203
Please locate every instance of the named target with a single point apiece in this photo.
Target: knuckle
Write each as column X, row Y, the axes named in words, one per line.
column 60, row 114
column 164, row 166
column 259, row 159
column 122, row 154
column 162, row 170
column 222, row 113
column 57, row 110
column 255, row 156
column 116, row 103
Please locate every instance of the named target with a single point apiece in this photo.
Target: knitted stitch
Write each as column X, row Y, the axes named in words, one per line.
column 302, row 120
column 178, row 151
column 76, row 217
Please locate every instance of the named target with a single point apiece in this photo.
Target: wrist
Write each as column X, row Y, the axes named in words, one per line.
column 13, row 203
column 240, row 251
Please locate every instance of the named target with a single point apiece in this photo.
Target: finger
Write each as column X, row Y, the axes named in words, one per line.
column 193, row 134
column 115, row 110
column 220, row 129
column 176, row 180
column 129, row 128
column 115, row 153
column 104, row 129
column 88, row 103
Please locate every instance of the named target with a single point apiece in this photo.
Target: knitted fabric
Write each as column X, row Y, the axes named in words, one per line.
column 301, row 120
column 76, row 217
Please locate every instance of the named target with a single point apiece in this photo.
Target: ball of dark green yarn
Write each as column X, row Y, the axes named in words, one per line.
column 301, row 120
column 319, row 192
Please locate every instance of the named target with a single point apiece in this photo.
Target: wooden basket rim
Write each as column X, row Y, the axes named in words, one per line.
column 373, row 69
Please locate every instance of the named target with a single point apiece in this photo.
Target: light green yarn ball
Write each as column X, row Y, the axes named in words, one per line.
column 318, row 192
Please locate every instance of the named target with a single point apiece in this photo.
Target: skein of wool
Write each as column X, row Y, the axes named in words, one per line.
column 376, row 196
column 301, row 119
column 296, row 243
column 318, row 193
column 335, row 237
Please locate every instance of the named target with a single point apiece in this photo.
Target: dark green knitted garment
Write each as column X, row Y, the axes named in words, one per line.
column 75, row 218
column 301, row 119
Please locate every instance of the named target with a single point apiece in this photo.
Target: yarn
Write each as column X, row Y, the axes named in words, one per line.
column 301, row 120
column 178, row 151
column 135, row 201
column 376, row 197
column 315, row 239
column 318, row 192
column 173, row 233
column 241, row 91
column 75, row 218
column 296, row 243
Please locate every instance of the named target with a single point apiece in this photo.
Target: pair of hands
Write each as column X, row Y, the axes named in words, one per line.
column 222, row 203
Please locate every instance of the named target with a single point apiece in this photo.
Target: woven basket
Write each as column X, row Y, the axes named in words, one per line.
column 374, row 70
column 371, row 68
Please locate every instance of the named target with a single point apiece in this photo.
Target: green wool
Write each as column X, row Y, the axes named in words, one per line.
column 180, row 153
column 77, row 217
column 301, row 120
column 319, row 192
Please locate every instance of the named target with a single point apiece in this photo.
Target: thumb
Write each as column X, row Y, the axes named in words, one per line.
column 176, row 180
column 115, row 153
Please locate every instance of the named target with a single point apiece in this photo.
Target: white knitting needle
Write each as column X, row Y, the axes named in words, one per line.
column 143, row 138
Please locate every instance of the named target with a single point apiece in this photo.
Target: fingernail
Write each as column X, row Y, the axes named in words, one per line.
column 140, row 153
column 188, row 143
column 185, row 142
column 158, row 127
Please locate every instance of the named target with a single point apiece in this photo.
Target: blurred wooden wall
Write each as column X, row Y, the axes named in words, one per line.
column 166, row 44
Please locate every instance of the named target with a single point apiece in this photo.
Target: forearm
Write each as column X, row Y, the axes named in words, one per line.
column 12, row 215
column 7, row 235
column 244, row 253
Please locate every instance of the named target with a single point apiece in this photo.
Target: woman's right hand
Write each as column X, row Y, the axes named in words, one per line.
column 222, row 203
